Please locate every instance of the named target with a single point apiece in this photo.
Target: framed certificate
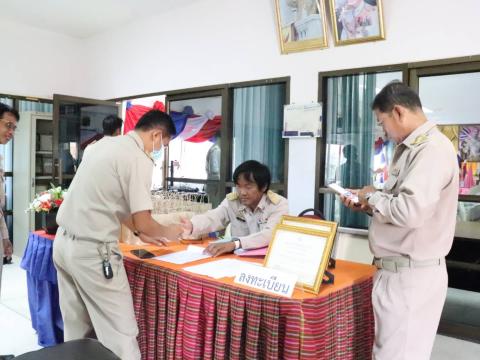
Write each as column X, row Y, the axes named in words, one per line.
column 302, row 251
column 309, row 223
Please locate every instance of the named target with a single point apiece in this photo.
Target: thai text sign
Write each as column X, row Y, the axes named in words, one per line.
column 269, row 280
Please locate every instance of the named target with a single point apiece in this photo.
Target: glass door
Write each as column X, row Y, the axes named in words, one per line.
column 449, row 98
column 77, row 122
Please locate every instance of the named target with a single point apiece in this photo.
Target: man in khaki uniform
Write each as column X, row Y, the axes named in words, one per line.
column 111, row 186
column 412, row 229
column 8, row 124
column 252, row 210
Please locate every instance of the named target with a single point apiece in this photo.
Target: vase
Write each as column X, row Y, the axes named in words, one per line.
column 49, row 222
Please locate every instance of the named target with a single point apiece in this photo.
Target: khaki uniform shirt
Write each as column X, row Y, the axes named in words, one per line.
column 253, row 228
column 3, row 226
column 415, row 214
column 112, row 182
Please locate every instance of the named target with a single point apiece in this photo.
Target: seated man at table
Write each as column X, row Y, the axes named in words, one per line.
column 252, row 210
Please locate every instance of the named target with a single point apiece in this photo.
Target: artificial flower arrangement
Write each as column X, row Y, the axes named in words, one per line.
column 49, row 200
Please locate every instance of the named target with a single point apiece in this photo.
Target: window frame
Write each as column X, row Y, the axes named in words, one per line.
column 226, row 92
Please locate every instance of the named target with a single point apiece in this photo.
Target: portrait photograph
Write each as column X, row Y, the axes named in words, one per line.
column 301, row 25
column 356, row 21
column 469, row 146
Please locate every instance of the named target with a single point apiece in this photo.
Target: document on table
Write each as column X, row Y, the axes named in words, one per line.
column 192, row 253
column 221, row 268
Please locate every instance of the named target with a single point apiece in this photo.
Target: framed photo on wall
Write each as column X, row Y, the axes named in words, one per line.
column 301, row 25
column 356, row 21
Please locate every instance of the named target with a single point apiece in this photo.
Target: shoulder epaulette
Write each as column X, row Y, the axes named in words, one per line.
column 420, row 139
column 232, row 196
column 273, row 197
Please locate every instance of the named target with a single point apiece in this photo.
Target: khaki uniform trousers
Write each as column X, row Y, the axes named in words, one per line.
column 92, row 305
column 1, row 264
column 407, row 306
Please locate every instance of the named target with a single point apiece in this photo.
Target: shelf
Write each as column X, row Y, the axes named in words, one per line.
column 43, row 177
column 44, row 152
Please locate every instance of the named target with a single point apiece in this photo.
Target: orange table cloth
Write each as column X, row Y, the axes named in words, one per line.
column 182, row 315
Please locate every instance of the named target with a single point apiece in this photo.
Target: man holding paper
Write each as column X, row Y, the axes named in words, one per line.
column 252, row 210
column 112, row 185
column 412, row 229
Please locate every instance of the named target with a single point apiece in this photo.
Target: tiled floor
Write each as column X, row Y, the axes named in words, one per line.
column 18, row 337
column 16, row 333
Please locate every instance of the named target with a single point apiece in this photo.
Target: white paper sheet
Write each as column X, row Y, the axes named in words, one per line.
column 192, row 253
column 221, row 268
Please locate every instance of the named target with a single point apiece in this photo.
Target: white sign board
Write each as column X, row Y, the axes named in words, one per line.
column 302, row 120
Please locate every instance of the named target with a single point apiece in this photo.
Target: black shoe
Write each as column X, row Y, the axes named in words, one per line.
column 6, row 260
column 6, row 357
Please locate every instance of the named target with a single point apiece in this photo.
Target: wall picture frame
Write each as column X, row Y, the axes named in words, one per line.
column 301, row 251
column 357, row 21
column 301, row 25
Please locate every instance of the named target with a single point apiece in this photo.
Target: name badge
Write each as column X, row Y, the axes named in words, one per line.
column 269, row 280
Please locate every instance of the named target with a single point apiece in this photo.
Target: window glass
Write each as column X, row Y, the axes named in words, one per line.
column 450, row 101
column 198, row 123
column 357, row 151
column 257, row 127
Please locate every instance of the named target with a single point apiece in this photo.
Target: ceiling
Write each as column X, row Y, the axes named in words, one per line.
column 83, row 18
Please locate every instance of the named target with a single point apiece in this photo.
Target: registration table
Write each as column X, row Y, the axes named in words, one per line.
column 182, row 315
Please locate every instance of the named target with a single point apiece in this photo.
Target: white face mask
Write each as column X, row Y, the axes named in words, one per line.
column 157, row 154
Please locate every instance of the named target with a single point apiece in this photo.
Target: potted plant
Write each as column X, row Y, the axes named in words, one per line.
column 47, row 203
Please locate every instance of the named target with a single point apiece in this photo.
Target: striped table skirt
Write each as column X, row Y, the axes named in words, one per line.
column 185, row 316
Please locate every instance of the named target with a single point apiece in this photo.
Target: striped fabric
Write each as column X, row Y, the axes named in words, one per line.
column 184, row 316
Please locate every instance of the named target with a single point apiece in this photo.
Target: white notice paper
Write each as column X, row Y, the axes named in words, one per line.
column 222, row 268
column 192, row 253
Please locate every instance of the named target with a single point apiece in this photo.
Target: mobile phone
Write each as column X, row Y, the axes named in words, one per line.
column 342, row 191
column 142, row 253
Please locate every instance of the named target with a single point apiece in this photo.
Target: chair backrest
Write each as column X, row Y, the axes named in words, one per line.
column 317, row 214
column 83, row 349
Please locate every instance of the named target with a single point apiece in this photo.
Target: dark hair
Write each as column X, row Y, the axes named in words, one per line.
column 7, row 109
column 156, row 118
column 396, row 93
column 111, row 124
column 253, row 171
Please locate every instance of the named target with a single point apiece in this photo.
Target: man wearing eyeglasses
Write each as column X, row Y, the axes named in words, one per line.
column 8, row 124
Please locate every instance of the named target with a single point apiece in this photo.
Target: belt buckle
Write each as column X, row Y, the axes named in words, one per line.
column 389, row 265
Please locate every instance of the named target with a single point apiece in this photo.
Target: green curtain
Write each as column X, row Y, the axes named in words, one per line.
column 350, row 141
column 257, row 127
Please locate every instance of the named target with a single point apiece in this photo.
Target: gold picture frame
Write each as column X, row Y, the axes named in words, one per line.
column 301, row 251
column 301, row 25
column 357, row 21
column 309, row 223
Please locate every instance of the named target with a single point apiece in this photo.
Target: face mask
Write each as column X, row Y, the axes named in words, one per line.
column 157, row 154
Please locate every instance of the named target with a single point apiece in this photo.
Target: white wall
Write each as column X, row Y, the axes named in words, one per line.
column 217, row 41
column 36, row 62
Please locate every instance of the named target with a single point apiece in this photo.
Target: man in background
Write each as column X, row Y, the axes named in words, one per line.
column 212, row 167
column 112, row 126
column 412, row 228
column 8, row 124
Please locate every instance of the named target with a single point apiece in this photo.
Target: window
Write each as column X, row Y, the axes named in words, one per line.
column 194, row 155
column 357, row 151
column 257, row 127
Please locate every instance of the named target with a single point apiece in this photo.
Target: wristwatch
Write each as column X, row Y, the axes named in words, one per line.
column 237, row 242
column 369, row 195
